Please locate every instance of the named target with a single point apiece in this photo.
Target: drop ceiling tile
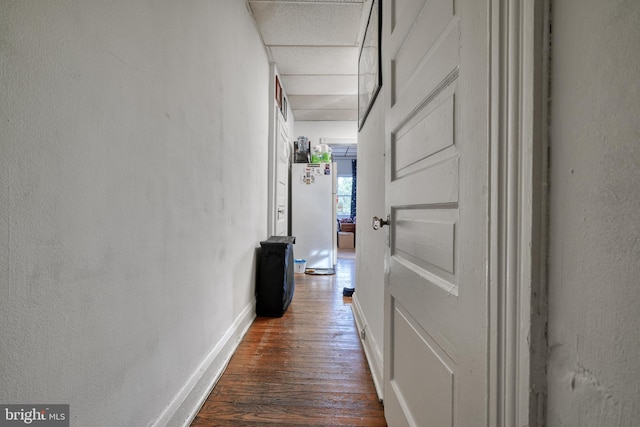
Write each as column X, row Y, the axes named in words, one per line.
column 325, row 115
column 314, row 44
column 307, row 23
column 316, row 60
column 320, row 85
column 321, row 102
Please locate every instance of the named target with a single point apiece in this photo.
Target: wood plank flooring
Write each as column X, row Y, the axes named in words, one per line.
column 304, row 369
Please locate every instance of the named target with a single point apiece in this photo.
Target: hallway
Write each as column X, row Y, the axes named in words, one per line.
column 306, row 368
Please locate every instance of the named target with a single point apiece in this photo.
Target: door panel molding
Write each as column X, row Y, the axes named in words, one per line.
column 425, row 236
column 434, row 72
column 424, row 35
column 428, row 133
column 443, row 168
column 438, row 368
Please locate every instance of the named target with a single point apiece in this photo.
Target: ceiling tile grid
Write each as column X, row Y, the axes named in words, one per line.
column 307, row 23
column 326, row 115
column 316, row 60
column 314, row 44
column 324, row 102
column 303, row 84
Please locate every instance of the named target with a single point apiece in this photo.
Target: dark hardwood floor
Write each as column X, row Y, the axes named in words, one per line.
column 304, row 369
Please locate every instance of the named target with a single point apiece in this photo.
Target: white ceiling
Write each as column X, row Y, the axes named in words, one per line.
column 314, row 44
column 340, row 151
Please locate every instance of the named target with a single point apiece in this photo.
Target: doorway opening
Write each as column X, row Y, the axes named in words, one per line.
column 345, row 156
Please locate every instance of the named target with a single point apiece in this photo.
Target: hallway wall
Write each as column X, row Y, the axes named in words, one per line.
column 594, row 292
column 370, row 244
column 126, row 249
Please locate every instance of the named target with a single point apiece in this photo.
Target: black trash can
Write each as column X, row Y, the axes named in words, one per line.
column 275, row 285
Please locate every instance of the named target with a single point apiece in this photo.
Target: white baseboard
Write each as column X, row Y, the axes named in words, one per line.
column 187, row 403
column 371, row 348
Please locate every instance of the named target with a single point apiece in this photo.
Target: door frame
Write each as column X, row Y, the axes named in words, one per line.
column 276, row 120
column 272, row 156
column 518, row 205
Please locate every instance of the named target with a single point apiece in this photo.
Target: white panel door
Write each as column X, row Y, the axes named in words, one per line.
column 436, row 78
column 283, row 151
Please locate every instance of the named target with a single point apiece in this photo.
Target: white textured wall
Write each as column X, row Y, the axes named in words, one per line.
column 594, row 265
column 126, row 249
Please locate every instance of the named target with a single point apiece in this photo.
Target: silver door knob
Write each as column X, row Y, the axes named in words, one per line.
column 378, row 223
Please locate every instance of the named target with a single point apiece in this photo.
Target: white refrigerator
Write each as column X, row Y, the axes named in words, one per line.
column 313, row 213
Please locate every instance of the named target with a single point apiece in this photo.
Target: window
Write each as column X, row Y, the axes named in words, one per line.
column 344, row 196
